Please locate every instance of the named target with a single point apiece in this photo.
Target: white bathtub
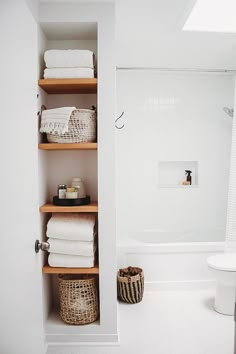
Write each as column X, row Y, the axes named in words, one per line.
column 171, row 260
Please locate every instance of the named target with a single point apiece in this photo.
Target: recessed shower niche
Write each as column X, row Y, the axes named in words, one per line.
column 172, row 174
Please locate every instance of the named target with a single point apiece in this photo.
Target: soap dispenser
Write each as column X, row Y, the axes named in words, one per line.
column 189, row 177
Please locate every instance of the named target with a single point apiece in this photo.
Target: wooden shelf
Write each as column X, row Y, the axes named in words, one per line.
column 60, row 270
column 51, row 208
column 79, row 146
column 65, row 86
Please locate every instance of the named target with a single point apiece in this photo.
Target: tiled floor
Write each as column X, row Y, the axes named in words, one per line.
column 172, row 322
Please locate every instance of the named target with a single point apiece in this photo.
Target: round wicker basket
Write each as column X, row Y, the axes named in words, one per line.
column 78, row 299
column 130, row 288
column 82, row 128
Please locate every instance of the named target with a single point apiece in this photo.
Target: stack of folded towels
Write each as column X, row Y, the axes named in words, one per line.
column 68, row 64
column 71, row 239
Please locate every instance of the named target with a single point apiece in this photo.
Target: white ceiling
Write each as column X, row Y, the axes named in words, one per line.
column 151, row 32
column 147, row 17
column 162, row 12
column 161, row 15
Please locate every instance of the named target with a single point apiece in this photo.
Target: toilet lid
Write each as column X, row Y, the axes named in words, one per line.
column 226, row 262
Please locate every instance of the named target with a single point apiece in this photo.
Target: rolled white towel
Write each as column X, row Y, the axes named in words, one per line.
column 71, row 226
column 69, row 261
column 68, row 73
column 69, row 58
column 78, row 248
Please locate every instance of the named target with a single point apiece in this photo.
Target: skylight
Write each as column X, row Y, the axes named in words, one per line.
column 212, row 16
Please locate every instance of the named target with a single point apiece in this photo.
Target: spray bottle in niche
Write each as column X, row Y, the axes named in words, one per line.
column 189, row 177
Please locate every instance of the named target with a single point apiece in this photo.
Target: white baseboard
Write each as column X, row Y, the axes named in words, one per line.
column 61, row 344
column 151, row 286
column 82, row 339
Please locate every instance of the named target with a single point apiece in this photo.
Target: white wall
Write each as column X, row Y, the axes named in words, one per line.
column 172, row 117
column 21, row 291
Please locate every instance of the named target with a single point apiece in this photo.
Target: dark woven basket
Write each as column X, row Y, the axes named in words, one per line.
column 130, row 288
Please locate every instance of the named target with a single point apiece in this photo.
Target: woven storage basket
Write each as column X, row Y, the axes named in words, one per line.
column 78, row 299
column 82, row 128
column 130, row 288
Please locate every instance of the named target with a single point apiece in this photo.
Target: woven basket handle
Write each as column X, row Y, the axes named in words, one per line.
column 43, row 107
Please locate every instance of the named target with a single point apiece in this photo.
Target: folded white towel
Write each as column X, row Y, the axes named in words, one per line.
column 71, row 226
column 68, row 261
column 56, row 120
column 78, row 248
column 68, row 73
column 69, row 58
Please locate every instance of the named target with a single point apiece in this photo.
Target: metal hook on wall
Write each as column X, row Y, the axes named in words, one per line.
column 122, row 126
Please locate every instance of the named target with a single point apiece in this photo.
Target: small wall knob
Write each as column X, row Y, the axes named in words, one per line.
column 43, row 246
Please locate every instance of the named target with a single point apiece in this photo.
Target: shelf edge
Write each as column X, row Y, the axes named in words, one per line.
column 51, row 208
column 62, row 270
column 70, row 146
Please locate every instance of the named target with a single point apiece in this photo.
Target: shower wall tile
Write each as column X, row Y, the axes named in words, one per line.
column 172, row 116
column 231, row 211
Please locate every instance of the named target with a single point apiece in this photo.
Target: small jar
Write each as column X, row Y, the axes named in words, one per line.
column 61, row 191
column 79, row 185
column 71, row 195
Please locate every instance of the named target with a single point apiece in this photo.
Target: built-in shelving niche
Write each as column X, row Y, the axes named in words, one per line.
column 58, row 163
column 171, row 174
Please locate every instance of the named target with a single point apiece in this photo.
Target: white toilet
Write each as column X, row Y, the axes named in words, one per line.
column 224, row 268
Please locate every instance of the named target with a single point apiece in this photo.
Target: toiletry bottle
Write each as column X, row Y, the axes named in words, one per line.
column 79, row 185
column 189, row 177
column 61, row 191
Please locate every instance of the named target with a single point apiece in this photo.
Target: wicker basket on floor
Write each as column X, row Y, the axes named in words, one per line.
column 130, row 288
column 78, row 299
column 82, row 128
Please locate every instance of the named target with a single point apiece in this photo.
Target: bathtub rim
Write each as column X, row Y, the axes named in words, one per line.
column 139, row 247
